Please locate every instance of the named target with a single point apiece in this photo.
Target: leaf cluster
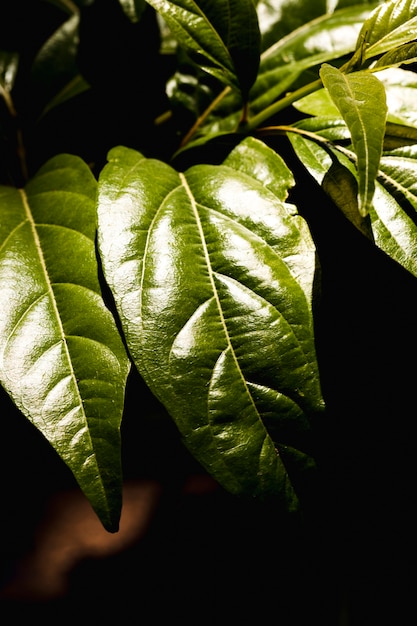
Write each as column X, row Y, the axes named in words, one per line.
column 147, row 221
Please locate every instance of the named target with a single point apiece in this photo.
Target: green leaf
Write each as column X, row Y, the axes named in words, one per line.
column 390, row 26
column 270, row 170
column 277, row 18
column 224, row 34
column 399, row 171
column 55, row 66
column 360, row 98
column 61, row 357
column 401, row 92
column 393, row 228
column 212, row 277
column 284, row 62
column 133, row 9
column 399, row 56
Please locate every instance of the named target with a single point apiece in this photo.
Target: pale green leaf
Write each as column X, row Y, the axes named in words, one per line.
column 399, row 56
column 61, row 357
column 360, row 98
column 204, row 267
column 401, row 91
column 133, row 9
column 315, row 42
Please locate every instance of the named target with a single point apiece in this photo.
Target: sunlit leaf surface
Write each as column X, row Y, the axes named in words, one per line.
column 61, row 357
column 212, row 274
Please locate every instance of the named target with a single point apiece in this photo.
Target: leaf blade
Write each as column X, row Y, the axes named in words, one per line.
column 201, row 320
column 61, row 358
column 224, row 34
column 390, row 25
column 361, row 100
column 393, row 229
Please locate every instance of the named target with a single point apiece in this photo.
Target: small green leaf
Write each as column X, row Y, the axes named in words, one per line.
column 212, row 277
column 360, row 98
column 399, row 56
column 394, row 229
column 133, row 9
column 55, row 64
column 224, row 34
column 61, row 357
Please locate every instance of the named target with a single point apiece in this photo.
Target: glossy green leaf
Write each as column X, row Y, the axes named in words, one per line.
column 212, row 275
column 390, row 26
column 61, row 357
column 399, row 171
column 278, row 18
column 224, row 34
column 360, row 98
column 393, row 228
column 54, row 71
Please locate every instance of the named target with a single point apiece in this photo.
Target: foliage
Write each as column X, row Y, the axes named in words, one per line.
column 147, row 220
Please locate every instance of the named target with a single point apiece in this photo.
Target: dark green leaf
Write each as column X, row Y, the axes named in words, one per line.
column 283, row 63
column 224, row 34
column 55, row 67
column 399, row 56
column 212, row 275
column 61, row 357
column 277, row 18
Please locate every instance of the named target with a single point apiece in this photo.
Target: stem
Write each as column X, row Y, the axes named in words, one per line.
column 283, row 129
column 286, row 101
column 204, row 115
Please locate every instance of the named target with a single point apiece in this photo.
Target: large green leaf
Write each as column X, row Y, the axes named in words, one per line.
column 361, row 100
column 61, row 357
column 224, row 34
column 212, row 275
